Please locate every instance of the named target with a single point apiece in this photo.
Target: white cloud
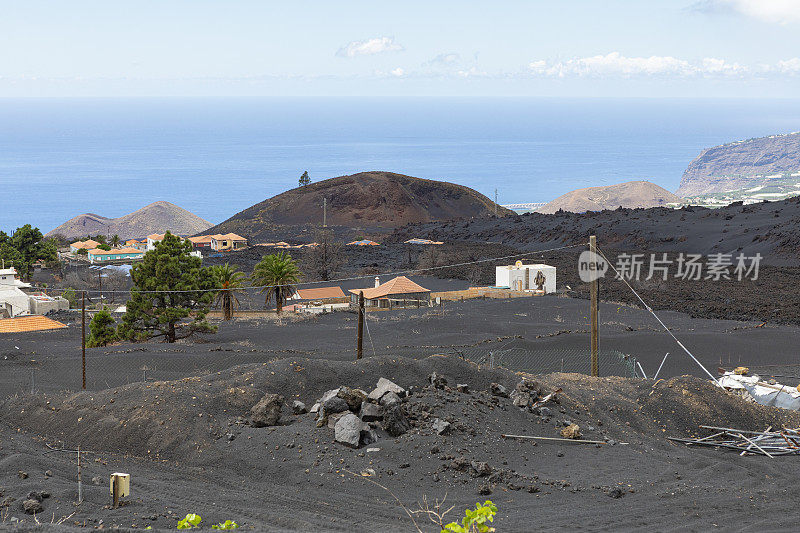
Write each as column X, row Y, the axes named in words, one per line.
column 472, row 72
column 789, row 66
column 613, row 64
column 714, row 66
column 776, row 11
column 398, row 72
column 377, row 45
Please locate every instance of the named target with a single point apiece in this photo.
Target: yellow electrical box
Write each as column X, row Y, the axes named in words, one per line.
column 123, row 484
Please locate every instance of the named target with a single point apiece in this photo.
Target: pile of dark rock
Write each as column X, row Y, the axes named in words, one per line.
column 357, row 417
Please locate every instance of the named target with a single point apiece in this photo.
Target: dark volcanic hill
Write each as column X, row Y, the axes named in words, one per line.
column 631, row 194
column 735, row 165
column 157, row 217
column 367, row 200
column 769, row 228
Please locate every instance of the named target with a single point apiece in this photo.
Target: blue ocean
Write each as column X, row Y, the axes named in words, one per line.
column 215, row 157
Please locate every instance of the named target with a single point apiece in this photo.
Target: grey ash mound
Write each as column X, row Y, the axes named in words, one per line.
column 240, row 445
column 157, row 217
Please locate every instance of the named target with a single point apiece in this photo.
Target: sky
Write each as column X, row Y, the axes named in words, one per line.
column 614, row 48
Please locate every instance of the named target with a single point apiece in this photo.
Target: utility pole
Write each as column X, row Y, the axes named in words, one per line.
column 324, row 212
column 83, row 336
column 593, row 288
column 360, row 334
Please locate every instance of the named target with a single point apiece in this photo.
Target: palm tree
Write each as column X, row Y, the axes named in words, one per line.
column 230, row 282
column 276, row 274
column 115, row 241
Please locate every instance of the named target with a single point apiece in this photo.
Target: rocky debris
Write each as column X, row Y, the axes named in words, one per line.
column 352, row 432
column 544, row 412
column 332, row 419
column 299, row 408
column 48, row 473
column 441, row 427
column 394, row 419
column 22, row 475
column 267, row 412
column 353, row 397
column 615, row 492
column 438, row 381
column 390, row 399
column 525, row 394
column 462, row 387
column 498, row 390
column 37, row 495
column 572, row 431
column 385, row 386
column 97, row 480
column 459, row 464
column 480, row 468
column 315, row 408
column 371, row 412
column 32, row 506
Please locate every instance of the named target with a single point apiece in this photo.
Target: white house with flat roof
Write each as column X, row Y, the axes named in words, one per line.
column 521, row 277
column 13, row 302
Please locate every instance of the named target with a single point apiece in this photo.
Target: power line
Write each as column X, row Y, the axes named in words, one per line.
column 685, row 349
column 318, row 282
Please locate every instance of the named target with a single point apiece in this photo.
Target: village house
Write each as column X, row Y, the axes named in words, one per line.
column 520, row 277
column 139, row 245
column 115, row 254
column 153, row 239
column 15, row 302
column 397, row 292
column 319, row 293
column 228, row 241
column 203, row 242
column 83, row 245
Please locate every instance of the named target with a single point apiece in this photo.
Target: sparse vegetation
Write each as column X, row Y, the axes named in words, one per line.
column 103, row 329
column 24, row 247
column 192, row 521
column 277, row 274
column 474, row 521
column 230, row 281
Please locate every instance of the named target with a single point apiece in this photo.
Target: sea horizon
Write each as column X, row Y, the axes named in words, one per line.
column 214, row 156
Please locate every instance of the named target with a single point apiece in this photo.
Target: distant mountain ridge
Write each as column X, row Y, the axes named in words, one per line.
column 741, row 164
column 631, row 194
column 157, row 217
column 369, row 200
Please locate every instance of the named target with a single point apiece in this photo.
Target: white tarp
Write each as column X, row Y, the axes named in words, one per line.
column 751, row 387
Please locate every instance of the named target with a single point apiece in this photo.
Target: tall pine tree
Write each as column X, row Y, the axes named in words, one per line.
column 153, row 312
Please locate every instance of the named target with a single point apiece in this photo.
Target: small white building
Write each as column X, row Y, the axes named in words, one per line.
column 520, row 277
column 13, row 302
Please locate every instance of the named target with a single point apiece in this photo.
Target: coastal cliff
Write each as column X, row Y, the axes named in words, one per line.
column 740, row 164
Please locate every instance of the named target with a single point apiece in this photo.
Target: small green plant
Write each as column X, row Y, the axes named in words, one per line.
column 190, row 522
column 474, row 521
column 227, row 524
column 103, row 329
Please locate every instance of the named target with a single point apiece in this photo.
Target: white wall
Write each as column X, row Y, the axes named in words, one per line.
column 514, row 277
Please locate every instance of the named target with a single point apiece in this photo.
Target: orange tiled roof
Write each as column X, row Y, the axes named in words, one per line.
column 98, row 251
column 156, row 236
column 201, row 238
column 398, row 285
column 87, row 244
column 319, row 293
column 228, row 236
column 23, row 324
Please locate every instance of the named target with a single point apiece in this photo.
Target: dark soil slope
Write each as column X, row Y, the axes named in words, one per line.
column 770, row 228
column 364, row 200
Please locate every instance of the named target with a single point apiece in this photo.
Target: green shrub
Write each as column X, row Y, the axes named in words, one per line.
column 103, row 330
column 474, row 521
column 190, row 522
